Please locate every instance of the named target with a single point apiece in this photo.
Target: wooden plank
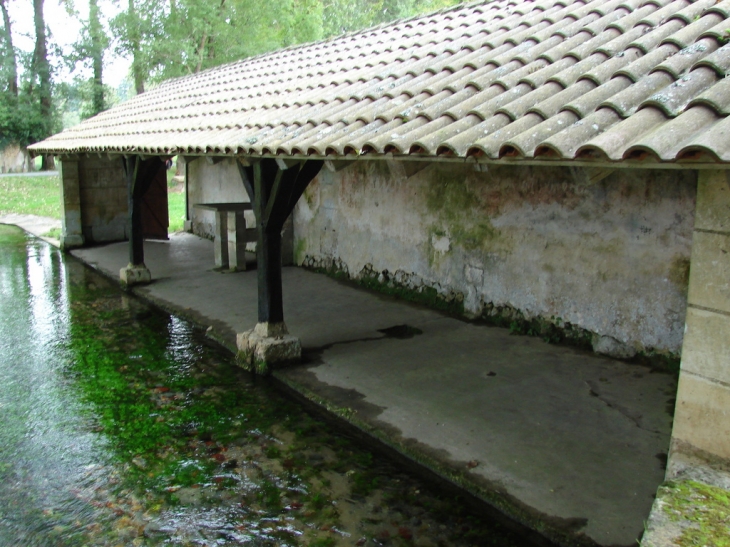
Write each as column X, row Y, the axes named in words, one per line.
column 246, row 172
column 232, row 206
column 277, row 187
column 307, row 172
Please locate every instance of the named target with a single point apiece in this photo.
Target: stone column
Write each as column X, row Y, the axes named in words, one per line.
column 238, row 236
column 71, row 233
column 220, row 243
column 701, row 433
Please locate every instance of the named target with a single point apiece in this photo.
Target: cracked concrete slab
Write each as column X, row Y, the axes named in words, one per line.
column 568, row 443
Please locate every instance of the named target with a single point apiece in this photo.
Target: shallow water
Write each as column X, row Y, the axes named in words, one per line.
column 122, row 425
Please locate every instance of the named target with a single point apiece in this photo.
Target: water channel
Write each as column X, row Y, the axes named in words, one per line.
column 122, row 425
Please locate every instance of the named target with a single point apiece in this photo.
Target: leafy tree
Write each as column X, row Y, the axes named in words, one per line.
column 170, row 38
column 26, row 103
column 98, row 42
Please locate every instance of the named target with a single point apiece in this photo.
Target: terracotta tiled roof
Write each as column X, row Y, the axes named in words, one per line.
column 545, row 79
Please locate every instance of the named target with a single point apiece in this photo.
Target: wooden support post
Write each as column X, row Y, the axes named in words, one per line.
column 267, row 179
column 274, row 187
column 139, row 174
column 136, row 243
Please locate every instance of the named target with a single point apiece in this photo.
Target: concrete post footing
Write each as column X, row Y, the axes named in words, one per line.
column 266, row 346
column 135, row 274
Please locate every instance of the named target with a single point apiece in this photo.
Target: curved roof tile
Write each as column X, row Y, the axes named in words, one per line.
column 536, row 79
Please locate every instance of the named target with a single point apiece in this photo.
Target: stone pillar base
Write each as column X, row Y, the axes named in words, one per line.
column 266, row 346
column 135, row 274
column 71, row 241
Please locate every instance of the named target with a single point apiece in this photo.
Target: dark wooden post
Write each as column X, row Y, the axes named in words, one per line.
column 139, row 174
column 268, row 248
column 274, row 189
column 136, row 243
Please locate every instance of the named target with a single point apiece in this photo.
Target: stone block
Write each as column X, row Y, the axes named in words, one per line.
column 702, row 415
column 71, row 241
column 267, row 346
column 236, row 241
column 135, row 275
column 607, row 345
column 713, row 201
column 709, row 276
column 220, row 244
column 706, row 349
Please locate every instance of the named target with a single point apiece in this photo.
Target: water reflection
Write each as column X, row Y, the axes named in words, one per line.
column 126, row 426
column 46, row 450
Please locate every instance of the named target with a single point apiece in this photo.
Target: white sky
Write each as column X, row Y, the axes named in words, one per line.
column 64, row 31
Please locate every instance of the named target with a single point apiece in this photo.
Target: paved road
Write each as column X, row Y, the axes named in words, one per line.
column 31, row 174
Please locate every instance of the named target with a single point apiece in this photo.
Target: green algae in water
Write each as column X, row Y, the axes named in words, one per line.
column 166, row 442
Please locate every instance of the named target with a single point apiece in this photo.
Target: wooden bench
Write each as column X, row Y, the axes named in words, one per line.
column 231, row 234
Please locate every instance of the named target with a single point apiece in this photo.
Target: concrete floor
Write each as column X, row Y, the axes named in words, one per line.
column 569, row 443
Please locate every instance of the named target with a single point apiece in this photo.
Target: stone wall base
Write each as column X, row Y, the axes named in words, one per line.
column 267, row 346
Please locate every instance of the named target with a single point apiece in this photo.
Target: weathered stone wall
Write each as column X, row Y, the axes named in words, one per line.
column 212, row 183
column 604, row 251
column 103, row 199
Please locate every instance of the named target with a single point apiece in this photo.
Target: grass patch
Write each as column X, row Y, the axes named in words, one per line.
column 54, row 233
column 39, row 195
column 176, row 208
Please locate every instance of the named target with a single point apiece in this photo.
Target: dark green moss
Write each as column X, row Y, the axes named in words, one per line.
column 703, row 508
column 427, row 296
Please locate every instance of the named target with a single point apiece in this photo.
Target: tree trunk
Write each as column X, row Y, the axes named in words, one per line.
column 97, row 56
column 9, row 58
column 134, row 40
column 42, row 69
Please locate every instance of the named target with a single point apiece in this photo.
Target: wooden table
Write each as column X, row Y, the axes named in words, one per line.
column 231, row 234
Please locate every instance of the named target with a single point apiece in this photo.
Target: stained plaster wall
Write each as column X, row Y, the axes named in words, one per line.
column 94, row 197
column 212, row 183
column 606, row 251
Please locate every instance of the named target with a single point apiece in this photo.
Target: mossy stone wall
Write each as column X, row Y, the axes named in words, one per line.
column 604, row 252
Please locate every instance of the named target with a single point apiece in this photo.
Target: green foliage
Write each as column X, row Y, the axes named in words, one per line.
column 176, row 210
column 76, row 100
column 21, row 120
column 192, row 35
column 341, row 16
